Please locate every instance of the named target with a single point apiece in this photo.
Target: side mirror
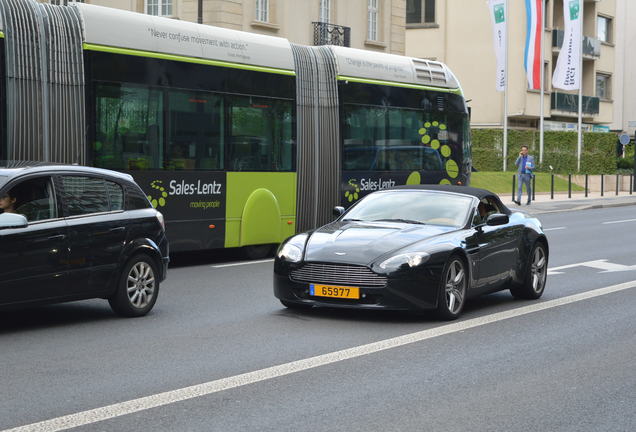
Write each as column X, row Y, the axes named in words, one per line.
column 12, row 220
column 338, row 211
column 497, row 219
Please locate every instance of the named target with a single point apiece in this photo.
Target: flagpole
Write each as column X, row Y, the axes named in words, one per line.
column 580, row 131
column 542, row 80
column 505, row 119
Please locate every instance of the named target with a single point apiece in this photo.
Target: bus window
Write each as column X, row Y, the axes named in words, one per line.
column 195, row 131
column 129, row 127
column 358, row 156
column 409, row 158
column 261, row 135
column 400, row 139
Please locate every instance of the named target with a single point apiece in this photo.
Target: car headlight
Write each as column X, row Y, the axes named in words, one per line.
column 411, row 259
column 292, row 250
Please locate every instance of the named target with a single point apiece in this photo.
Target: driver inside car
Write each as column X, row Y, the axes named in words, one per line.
column 7, row 203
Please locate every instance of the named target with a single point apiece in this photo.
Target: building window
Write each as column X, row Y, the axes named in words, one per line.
column 604, row 29
column 603, row 86
column 159, row 7
column 420, row 11
column 262, row 10
column 372, row 34
column 325, row 11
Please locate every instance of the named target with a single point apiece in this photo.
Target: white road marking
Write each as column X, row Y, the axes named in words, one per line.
column 242, row 263
column 170, row 397
column 619, row 221
column 554, row 229
column 602, row 264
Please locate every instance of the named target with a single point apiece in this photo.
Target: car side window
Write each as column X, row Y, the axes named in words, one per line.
column 116, row 195
column 136, row 199
column 35, row 199
column 477, row 218
column 84, row 195
column 492, row 206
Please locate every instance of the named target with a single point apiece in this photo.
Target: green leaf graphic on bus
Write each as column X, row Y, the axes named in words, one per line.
column 414, row 178
column 162, row 194
column 353, row 191
column 434, row 135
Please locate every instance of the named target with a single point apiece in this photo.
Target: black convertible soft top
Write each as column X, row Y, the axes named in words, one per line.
column 466, row 190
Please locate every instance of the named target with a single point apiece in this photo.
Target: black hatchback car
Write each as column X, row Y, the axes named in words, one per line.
column 71, row 233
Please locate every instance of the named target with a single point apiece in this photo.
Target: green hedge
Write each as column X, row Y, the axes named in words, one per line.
column 598, row 156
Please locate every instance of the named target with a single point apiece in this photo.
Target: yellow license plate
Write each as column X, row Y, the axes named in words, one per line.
column 334, row 291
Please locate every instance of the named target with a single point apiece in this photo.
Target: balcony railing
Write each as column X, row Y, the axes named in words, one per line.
column 591, row 46
column 567, row 102
column 331, row 34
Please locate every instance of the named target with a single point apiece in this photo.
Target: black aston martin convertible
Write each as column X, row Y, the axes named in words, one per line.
column 414, row 248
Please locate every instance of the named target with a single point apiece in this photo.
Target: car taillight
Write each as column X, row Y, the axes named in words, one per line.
column 161, row 220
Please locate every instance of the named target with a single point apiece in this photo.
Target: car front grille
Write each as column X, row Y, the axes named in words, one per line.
column 338, row 274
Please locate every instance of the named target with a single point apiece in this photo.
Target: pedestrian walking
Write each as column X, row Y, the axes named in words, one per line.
column 525, row 165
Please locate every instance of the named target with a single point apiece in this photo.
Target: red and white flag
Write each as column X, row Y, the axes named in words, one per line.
column 534, row 39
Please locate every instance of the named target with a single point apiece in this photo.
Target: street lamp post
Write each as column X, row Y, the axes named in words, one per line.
column 200, row 11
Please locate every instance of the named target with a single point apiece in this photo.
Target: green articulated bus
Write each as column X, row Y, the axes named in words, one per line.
column 239, row 139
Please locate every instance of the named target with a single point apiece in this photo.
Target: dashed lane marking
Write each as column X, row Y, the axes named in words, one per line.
column 619, row 221
column 600, row 264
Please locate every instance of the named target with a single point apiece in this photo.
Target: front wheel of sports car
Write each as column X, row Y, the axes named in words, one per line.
column 534, row 282
column 452, row 295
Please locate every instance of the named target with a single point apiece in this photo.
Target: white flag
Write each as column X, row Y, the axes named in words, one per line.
column 497, row 10
column 567, row 74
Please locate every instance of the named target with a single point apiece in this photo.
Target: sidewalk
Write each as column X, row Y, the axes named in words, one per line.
column 561, row 202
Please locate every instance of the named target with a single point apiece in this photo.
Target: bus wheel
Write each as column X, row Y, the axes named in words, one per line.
column 258, row 251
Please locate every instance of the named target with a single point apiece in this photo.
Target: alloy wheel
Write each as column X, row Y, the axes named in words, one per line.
column 455, row 286
column 140, row 284
column 538, row 270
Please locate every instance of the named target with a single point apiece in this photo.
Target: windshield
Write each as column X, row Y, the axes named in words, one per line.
column 421, row 207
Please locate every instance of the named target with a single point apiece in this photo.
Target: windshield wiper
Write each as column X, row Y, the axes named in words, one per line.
column 351, row 220
column 400, row 220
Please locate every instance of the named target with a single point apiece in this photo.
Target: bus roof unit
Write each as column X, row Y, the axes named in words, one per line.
column 123, row 29
column 393, row 68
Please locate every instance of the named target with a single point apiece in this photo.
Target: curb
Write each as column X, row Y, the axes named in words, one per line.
column 584, row 207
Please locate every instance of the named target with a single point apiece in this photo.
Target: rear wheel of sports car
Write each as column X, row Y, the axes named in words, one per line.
column 452, row 289
column 534, row 282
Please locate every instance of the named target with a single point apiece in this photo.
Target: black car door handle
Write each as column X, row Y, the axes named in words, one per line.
column 57, row 237
column 118, row 229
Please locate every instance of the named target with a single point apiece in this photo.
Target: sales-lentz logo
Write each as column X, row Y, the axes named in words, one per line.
column 198, row 188
column 160, row 201
column 353, row 191
column 178, row 188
